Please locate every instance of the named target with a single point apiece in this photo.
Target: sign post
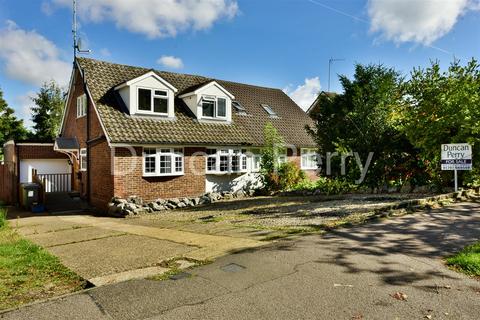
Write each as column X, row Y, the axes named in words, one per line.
column 457, row 156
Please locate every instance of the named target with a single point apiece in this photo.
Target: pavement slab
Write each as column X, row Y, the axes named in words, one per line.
column 62, row 237
column 96, row 258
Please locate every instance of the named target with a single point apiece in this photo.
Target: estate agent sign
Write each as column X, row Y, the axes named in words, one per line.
column 456, row 156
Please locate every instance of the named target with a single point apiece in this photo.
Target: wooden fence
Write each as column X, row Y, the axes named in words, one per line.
column 8, row 183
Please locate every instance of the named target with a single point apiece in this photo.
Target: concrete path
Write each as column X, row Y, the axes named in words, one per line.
column 350, row 274
column 108, row 250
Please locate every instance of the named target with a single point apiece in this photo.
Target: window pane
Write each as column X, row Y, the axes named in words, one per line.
column 178, row 164
column 222, row 107
column 160, row 93
column 150, row 165
column 165, row 164
column 224, row 163
column 244, row 162
column 235, row 163
column 160, row 105
column 208, row 108
column 212, row 163
column 144, row 99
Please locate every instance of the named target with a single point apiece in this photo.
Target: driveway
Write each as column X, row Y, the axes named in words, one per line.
column 107, row 250
column 391, row 269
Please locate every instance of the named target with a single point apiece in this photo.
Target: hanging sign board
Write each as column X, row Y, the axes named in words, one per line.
column 456, row 156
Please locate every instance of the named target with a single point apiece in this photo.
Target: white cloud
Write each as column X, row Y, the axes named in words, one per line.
column 31, row 58
column 156, row 18
column 104, row 52
column 23, row 108
column 170, row 62
column 416, row 21
column 305, row 94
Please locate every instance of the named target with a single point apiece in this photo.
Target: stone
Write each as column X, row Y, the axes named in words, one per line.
column 131, row 206
column 181, row 205
column 135, row 199
column 174, row 201
column 161, row 201
column 170, row 205
column 187, row 202
column 196, row 201
column 156, row 207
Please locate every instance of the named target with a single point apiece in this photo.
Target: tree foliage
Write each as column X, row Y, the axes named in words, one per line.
column 402, row 122
column 10, row 126
column 442, row 107
column 47, row 112
column 360, row 120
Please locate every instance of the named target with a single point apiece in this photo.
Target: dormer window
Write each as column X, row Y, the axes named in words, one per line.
column 153, row 101
column 214, row 107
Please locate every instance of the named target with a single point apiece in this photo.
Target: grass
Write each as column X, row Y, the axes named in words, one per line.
column 467, row 260
column 28, row 272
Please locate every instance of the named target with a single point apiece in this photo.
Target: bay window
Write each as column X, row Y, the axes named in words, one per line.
column 153, row 101
column 220, row 161
column 214, row 107
column 163, row 161
column 309, row 159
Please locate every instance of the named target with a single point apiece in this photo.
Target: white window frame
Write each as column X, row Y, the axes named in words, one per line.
column 81, row 105
column 306, row 163
column 173, row 152
column 152, row 100
column 214, row 99
column 282, row 157
column 83, row 159
column 230, row 153
column 256, row 162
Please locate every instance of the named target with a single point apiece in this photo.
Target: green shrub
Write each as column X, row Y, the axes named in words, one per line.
column 289, row 175
column 327, row 186
column 3, row 217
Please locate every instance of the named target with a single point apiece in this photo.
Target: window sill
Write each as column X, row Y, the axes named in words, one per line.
column 304, row 168
column 79, row 117
column 146, row 175
column 221, row 173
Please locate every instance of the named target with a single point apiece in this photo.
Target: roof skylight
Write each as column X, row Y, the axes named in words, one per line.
column 269, row 110
column 238, row 106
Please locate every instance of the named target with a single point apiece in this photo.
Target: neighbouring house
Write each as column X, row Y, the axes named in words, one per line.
column 132, row 131
column 315, row 106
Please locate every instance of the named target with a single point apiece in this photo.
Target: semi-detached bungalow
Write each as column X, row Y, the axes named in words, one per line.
column 133, row 131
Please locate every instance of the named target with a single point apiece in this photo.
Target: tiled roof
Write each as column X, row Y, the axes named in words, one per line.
column 102, row 77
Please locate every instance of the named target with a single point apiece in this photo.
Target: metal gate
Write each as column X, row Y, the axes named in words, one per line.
column 56, row 182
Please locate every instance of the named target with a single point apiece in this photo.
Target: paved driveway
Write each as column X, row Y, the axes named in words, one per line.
column 107, row 250
column 350, row 274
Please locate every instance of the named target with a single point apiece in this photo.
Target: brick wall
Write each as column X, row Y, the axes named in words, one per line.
column 129, row 180
column 297, row 159
column 101, row 178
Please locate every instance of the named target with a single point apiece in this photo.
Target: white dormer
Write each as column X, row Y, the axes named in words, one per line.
column 148, row 95
column 210, row 102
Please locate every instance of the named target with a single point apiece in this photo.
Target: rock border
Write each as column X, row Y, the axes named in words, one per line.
column 135, row 206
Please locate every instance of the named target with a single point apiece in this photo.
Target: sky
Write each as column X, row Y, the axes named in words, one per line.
column 284, row 44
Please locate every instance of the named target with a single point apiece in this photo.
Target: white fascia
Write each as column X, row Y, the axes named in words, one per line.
column 144, row 76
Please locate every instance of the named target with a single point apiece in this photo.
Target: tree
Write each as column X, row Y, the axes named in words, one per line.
column 273, row 146
column 47, row 112
column 443, row 107
column 361, row 120
column 10, row 126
